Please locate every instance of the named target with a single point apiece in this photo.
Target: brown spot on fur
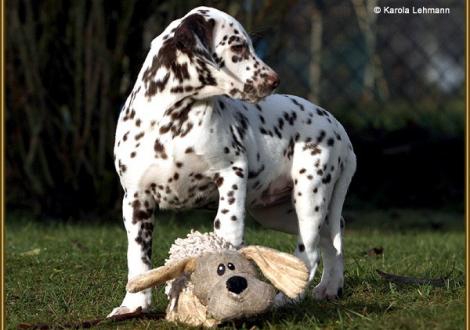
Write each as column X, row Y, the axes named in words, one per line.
column 219, row 181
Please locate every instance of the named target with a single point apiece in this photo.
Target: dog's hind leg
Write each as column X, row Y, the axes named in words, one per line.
column 331, row 240
column 138, row 212
column 313, row 183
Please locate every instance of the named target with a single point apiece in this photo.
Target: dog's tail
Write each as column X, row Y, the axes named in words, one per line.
column 337, row 200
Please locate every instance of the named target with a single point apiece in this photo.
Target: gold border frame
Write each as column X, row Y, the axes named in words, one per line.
column 2, row 176
column 2, row 173
column 467, row 164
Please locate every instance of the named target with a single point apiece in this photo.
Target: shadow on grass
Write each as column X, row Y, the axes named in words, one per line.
column 311, row 312
column 405, row 220
column 387, row 220
column 399, row 220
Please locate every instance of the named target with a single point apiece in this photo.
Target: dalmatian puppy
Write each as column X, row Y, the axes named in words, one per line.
column 201, row 127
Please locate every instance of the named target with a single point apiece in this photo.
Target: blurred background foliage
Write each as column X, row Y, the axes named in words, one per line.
column 396, row 82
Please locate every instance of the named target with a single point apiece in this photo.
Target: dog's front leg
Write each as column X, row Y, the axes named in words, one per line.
column 230, row 219
column 138, row 213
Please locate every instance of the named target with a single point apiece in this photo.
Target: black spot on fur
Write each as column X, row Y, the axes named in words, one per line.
column 254, row 174
column 321, row 136
column 326, row 179
column 297, row 103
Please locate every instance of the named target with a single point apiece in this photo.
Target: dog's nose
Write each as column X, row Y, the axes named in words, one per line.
column 273, row 81
column 236, row 284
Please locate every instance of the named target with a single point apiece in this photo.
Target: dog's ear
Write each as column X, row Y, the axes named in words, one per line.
column 286, row 272
column 195, row 35
column 160, row 275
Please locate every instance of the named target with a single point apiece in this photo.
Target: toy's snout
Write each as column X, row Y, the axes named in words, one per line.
column 236, row 284
column 241, row 295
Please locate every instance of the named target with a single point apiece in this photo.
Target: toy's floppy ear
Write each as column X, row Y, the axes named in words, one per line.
column 286, row 272
column 160, row 275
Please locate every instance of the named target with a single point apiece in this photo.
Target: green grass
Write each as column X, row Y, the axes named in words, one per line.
column 60, row 273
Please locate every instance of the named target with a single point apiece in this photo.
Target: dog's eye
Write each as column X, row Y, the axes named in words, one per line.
column 231, row 266
column 237, row 48
column 221, row 269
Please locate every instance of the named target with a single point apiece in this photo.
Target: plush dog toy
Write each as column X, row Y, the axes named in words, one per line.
column 209, row 282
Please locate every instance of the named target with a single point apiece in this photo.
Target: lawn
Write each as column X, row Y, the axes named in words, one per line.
column 65, row 272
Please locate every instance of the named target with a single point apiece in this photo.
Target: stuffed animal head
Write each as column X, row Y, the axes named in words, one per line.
column 225, row 285
column 229, row 285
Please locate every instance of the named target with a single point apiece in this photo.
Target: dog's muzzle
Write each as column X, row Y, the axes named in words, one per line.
column 270, row 83
column 273, row 81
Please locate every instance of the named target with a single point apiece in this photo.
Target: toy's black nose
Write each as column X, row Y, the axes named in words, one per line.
column 236, row 284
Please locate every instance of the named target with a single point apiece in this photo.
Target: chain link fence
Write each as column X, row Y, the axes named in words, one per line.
column 341, row 52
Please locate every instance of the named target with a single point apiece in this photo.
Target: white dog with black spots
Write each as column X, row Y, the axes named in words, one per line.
column 201, row 127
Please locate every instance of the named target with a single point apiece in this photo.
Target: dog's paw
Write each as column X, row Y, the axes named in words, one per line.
column 281, row 300
column 325, row 292
column 123, row 310
column 133, row 303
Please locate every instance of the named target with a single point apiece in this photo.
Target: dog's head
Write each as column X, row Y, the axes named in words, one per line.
column 218, row 58
column 227, row 283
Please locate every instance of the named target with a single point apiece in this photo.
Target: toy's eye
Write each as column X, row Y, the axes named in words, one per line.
column 221, row 269
column 237, row 48
column 231, row 266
